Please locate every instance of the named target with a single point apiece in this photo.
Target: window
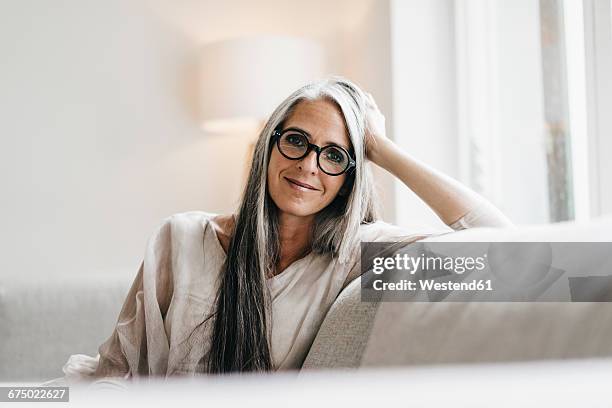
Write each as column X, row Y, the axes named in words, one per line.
column 534, row 83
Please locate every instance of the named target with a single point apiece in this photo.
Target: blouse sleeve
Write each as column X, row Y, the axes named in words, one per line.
column 482, row 214
column 138, row 345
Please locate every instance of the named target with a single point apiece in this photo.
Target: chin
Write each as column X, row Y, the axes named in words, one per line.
column 297, row 210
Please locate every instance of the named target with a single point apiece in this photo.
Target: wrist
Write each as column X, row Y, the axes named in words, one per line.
column 380, row 152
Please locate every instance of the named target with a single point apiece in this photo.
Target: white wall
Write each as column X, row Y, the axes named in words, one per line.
column 99, row 135
column 100, row 132
column 424, row 97
column 365, row 57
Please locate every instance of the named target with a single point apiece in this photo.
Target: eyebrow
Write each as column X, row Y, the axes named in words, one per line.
column 310, row 137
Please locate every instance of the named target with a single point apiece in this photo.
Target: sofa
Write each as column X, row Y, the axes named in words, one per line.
column 46, row 321
column 358, row 334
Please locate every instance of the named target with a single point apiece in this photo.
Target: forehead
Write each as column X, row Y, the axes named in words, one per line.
column 322, row 119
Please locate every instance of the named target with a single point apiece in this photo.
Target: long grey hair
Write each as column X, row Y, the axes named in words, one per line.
column 240, row 340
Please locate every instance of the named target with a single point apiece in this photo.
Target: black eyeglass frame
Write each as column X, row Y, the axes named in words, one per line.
column 311, row 146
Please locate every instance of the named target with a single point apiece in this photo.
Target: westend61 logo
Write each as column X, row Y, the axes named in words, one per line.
column 486, row 271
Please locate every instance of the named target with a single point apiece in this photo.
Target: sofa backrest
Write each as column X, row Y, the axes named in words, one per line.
column 360, row 334
column 45, row 321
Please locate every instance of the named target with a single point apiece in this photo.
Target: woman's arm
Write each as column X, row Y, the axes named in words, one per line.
column 447, row 197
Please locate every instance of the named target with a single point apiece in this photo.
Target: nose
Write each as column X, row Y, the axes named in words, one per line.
column 309, row 162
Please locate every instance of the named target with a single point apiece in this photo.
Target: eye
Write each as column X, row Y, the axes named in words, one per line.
column 295, row 139
column 334, row 155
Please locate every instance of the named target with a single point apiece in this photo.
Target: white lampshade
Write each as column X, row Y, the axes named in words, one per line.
column 243, row 80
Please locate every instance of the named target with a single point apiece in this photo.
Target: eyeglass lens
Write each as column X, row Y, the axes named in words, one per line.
column 332, row 160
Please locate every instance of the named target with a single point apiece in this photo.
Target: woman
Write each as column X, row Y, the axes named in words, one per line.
column 248, row 291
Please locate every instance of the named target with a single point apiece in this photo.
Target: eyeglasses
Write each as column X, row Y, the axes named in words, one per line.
column 331, row 159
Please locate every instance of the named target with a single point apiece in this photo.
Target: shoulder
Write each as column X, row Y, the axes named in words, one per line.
column 188, row 222
column 222, row 223
column 189, row 218
column 192, row 216
column 194, row 222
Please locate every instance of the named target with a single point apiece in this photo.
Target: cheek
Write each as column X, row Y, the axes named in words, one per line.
column 333, row 185
column 275, row 166
column 272, row 164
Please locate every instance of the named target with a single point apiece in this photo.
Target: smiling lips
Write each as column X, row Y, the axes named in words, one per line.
column 299, row 184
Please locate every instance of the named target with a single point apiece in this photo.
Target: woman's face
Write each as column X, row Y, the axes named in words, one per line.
column 324, row 122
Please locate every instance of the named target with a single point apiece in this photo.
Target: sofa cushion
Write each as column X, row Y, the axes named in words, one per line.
column 344, row 333
column 440, row 333
column 357, row 334
column 45, row 321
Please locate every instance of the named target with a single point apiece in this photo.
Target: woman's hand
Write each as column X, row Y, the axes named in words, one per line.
column 376, row 135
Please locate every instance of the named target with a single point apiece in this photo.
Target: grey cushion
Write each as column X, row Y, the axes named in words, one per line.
column 45, row 321
column 359, row 334
column 440, row 333
column 344, row 333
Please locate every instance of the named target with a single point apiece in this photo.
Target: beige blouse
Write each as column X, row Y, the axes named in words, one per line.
column 163, row 328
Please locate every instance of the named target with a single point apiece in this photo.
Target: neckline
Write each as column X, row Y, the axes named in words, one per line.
column 284, row 273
